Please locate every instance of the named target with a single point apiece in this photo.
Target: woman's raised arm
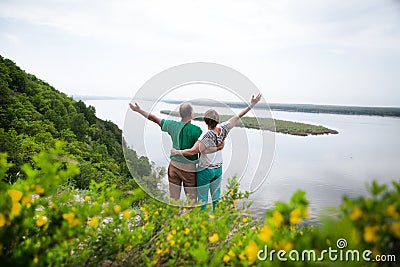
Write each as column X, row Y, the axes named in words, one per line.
column 254, row 100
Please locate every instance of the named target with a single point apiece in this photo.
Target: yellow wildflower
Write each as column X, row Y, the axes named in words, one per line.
column 112, row 199
column 74, row 222
column 15, row 195
column 186, row 231
column 140, row 236
column 70, row 218
column 245, row 219
column 392, row 211
column 286, row 246
column 212, row 216
column 266, row 233
column 241, row 256
column 226, row 258
column 231, row 254
column 306, row 214
column 158, row 251
column 187, row 244
column 276, row 219
column 93, row 222
column 355, row 214
column 128, row 248
column 118, row 256
column 87, row 198
column 117, row 208
column 154, row 262
column 35, row 260
column 295, row 216
column 42, row 220
column 15, row 209
column 172, row 242
column 395, row 228
column 39, row 189
column 27, row 201
column 251, row 251
column 2, row 220
column 370, row 234
column 144, row 210
column 214, row 238
column 127, row 214
column 169, row 237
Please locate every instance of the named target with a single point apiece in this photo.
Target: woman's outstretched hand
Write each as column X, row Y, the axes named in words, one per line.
column 255, row 100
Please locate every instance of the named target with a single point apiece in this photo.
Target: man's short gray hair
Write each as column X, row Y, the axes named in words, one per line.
column 185, row 110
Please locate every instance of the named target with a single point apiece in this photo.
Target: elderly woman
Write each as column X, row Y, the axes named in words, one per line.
column 209, row 170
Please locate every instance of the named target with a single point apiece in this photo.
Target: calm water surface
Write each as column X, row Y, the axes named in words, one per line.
column 326, row 167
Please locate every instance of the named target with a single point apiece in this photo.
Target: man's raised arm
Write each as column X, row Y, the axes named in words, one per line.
column 145, row 114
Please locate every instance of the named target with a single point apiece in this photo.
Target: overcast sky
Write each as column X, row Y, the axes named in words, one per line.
column 300, row 51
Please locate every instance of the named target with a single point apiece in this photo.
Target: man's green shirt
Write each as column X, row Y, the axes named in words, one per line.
column 183, row 136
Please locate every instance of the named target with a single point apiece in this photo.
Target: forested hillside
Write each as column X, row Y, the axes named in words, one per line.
column 34, row 115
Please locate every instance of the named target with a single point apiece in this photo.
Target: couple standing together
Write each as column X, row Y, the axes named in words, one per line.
column 197, row 174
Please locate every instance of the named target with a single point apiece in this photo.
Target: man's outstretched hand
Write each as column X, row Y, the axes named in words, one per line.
column 135, row 107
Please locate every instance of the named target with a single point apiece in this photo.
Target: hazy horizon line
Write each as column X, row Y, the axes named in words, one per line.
column 104, row 97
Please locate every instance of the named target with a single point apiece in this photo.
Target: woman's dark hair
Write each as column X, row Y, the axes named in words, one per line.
column 211, row 118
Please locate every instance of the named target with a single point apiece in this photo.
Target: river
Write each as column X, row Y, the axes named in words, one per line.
column 327, row 167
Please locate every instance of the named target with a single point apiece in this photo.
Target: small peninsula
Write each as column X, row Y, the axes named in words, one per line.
column 281, row 126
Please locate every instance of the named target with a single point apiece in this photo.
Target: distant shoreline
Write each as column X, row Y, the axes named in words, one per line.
column 306, row 108
column 268, row 124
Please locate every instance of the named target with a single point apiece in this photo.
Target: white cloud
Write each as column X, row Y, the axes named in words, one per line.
column 231, row 25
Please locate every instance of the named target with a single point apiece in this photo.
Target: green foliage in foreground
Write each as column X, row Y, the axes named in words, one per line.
column 44, row 223
column 269, row 124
